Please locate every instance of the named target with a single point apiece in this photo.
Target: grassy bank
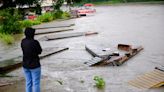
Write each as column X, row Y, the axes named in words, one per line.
column 12, row 24
column 6, row 38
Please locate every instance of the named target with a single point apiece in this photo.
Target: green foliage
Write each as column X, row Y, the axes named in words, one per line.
column 46, row 17
column 100, row 83
column 29, row 23
column 66, row 15
column 26, row 2
column 6, row 38
column 10, row 22
column 58, row 14
column 58, row 4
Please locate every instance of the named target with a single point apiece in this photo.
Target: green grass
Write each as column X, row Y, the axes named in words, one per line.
column 7, row 38
column 29, row 23
column 46, row 17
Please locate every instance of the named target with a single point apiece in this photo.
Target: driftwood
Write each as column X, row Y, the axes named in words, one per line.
column 11, row 64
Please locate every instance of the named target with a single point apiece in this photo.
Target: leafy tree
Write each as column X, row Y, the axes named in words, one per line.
column 13, row 3
column 26, row 2
column 58, row 4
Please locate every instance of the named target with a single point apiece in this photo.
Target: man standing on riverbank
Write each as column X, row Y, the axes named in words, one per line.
column 31, row 62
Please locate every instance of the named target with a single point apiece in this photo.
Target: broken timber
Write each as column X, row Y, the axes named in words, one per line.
column 113, row 59
column 67, row 35
column 153, row 79
column 11, row 64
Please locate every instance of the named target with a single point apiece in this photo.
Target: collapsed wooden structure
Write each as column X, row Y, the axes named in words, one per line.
column 11, row 64
column 124, row 53
column 153, row 79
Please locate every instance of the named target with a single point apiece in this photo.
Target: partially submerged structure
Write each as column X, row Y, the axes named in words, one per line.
column 114, row 58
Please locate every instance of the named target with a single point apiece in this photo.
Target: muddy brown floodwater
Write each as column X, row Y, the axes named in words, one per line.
column 129, row 24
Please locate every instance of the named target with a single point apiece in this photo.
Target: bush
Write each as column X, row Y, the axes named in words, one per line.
column 29, row 23
column 6, row 38
column 100, row 83
column 10, row 21
column 66, row 15
column 58, row 14
column 46, row 17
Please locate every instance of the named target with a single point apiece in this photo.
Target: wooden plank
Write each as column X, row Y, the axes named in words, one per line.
column 55, row 27
column 144, row 84
column 67, row 35
column 158, row 85
column 159, row 71
column 91, row 52
column 14, row 63
column 160, row 68
column 152, row 79
column 136, row 84
column 155, row 76
column 147, row 81
column 94, row 61
column 52, row 31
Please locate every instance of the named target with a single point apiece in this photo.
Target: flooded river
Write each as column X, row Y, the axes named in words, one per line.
column 129, row 24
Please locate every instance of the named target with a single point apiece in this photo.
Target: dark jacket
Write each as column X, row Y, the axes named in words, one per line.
column 31, row 49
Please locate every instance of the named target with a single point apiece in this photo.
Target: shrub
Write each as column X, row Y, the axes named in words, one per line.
column 100, row 83
column 6, row 38
column 10, row 21
column 66, row 15
column 46, row 17
column 29, row 23
column 58, row 14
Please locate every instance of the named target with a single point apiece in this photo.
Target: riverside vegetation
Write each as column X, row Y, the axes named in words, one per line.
column 11, row 22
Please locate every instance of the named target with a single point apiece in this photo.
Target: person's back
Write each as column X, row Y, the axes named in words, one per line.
column 31, row 49
column 31, row 63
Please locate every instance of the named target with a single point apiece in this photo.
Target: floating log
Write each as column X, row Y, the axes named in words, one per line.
column 48, row 32
column 114, row 59
column 11, row 64
column 67, row 35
